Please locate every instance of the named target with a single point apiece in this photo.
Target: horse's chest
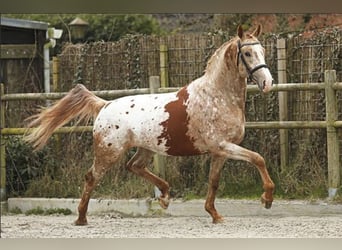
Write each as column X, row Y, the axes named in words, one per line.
column 215, row 120
column 223, row 123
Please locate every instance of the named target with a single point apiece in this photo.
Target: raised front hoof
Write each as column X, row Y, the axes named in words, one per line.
column 80, row 222
column 164, row 202
column 267, row 203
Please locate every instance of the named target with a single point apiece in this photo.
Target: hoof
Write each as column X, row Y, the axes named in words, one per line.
column 79, row 222
column 218, row 220
column 164, row 202
column 267, row 203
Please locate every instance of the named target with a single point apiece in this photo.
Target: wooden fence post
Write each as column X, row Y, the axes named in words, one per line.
column 55, row 88
column 55, row 73
column 164, row 73
column 282, row 97
column 158, row 160
column 154, row 84
column 333, row 151
column 2, row 147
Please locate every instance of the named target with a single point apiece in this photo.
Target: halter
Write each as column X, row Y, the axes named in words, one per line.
column 240, row 55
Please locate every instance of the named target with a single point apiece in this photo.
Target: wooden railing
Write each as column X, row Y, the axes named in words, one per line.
column 331, row 124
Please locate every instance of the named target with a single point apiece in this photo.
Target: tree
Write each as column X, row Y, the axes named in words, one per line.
column 106, row 27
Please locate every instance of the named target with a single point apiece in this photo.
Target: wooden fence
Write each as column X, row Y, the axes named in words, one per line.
column 177, row 60
column 331, row 124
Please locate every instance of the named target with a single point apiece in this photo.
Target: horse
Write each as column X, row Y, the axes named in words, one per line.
column 207, row 116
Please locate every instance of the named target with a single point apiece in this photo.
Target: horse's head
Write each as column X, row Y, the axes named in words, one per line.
column 251, row 59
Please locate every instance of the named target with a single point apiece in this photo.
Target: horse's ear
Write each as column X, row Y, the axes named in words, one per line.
column 240, row 31
column 257, row 31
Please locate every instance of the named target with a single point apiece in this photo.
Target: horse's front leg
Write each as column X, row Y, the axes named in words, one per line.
column 236, row 152
column 214, row 177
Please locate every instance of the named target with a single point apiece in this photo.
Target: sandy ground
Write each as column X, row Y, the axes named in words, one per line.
column 112, row 225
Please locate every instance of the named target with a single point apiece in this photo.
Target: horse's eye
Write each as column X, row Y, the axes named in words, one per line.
column 247, row 54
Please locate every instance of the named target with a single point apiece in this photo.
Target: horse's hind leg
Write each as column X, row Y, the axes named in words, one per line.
column 214, row 176
column 89, row 186
column 137, row 164
column 102, row 163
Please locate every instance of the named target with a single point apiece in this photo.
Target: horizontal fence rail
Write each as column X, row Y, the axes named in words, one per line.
column 59, row 95
column 249, row 125
column 125, row 92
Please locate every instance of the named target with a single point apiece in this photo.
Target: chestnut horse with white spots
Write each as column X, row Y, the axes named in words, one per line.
column 206, row 116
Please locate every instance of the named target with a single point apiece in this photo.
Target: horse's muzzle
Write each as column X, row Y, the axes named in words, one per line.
column 265, row 86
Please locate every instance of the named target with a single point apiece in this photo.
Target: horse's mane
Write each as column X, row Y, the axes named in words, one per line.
column 226, row 49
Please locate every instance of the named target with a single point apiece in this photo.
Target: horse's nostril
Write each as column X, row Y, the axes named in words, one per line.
column 263, row 84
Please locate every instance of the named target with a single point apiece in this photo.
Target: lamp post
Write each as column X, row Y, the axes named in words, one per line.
column 78, row 28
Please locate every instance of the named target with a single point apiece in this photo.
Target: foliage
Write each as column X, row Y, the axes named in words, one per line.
column 229, row 22
column 16, row 210
column 41, row 211
column 114, row 27
column 24, row 165
column 102, row 27
column 49, row 187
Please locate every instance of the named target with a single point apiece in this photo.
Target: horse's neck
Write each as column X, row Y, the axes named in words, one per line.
column 228, row 84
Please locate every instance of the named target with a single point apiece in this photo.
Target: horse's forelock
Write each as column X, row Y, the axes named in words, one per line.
column 250, row 37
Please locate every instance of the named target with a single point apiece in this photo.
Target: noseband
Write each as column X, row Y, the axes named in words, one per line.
column 240, row 55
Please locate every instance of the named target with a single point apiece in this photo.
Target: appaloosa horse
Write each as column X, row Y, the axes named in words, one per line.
column 206, row 116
